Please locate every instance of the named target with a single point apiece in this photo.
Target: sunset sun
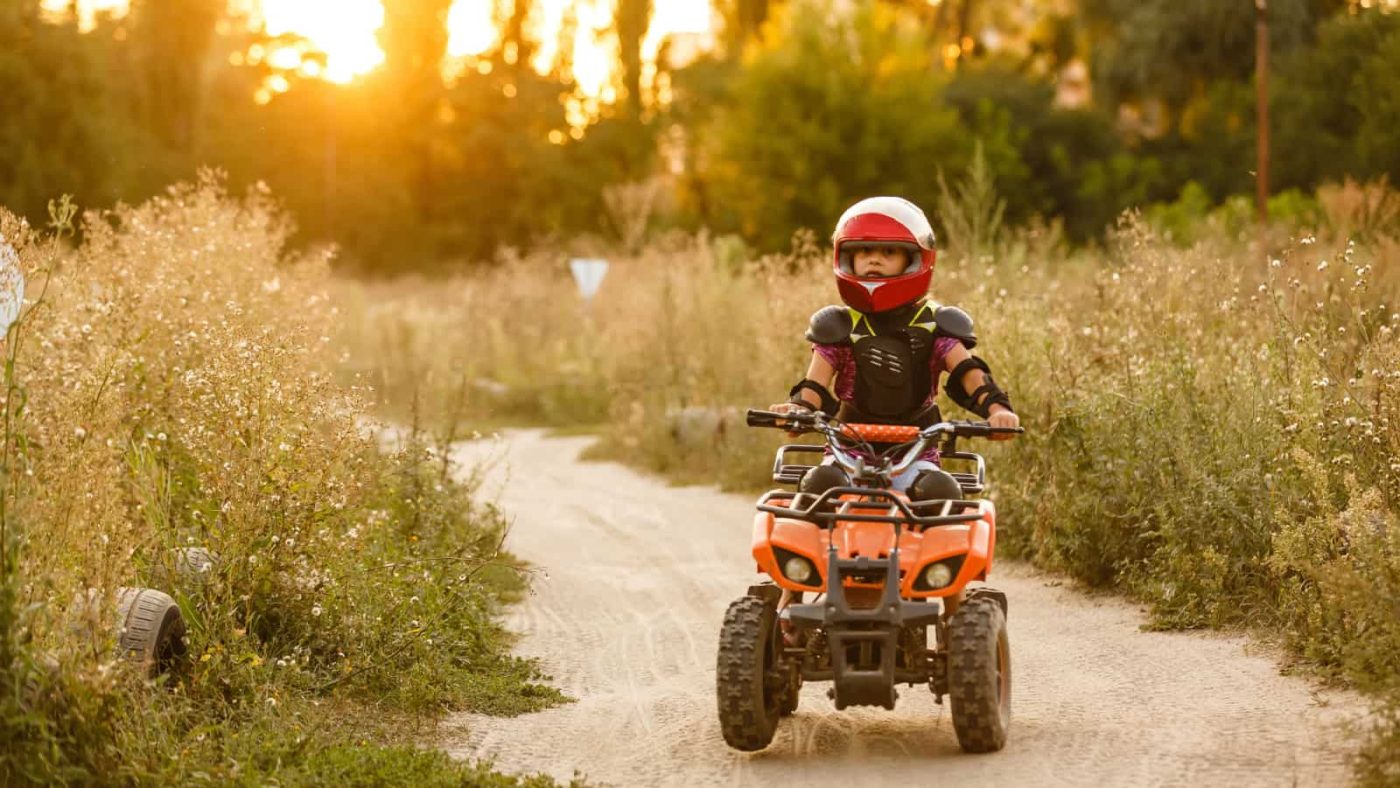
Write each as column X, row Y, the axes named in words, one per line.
column 346, row 30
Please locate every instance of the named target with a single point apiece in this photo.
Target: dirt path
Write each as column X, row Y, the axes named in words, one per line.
column 626, row 613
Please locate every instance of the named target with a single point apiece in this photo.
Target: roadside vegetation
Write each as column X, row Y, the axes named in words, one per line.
column 170, row 387
column 1211, row 430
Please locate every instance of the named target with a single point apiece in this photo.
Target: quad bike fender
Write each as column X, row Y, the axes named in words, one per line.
column 974, row 543
column 794, row 536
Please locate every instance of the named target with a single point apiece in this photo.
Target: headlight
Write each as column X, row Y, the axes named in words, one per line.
column 798, row 569
column 938, row 575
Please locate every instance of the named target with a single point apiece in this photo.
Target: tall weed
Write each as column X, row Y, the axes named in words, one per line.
column 178, row 391
column 1212, row 432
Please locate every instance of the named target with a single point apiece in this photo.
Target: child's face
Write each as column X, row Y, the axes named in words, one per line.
column 879, row 261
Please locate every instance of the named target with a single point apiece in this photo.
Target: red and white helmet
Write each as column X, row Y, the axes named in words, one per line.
column 882, row 221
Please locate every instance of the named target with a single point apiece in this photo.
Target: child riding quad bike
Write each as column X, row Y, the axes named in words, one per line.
column 884, row 570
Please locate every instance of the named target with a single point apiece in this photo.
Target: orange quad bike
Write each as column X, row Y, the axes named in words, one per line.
column 883, row 570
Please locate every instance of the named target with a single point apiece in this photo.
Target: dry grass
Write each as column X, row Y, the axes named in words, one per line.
column 1214, row 432
column 174, row 387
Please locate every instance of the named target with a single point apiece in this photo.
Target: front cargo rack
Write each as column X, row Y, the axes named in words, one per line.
column 785, row 472
column 819, row 509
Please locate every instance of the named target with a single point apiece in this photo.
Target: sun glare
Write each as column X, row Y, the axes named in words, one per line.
column 87, row 9
column 345, row 30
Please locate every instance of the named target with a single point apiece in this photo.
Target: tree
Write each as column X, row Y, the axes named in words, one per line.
column 172, row 39
column 633, row 18
column 743, row 22
column 1173, row 49
column 1337, row 104
column 1047, row 160
column 839, row 105
column 59, row 129
column 414, row 40
column 516, row 48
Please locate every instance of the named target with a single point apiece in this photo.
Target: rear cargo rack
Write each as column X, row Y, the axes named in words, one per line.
column 974, row 483
column 789, row 473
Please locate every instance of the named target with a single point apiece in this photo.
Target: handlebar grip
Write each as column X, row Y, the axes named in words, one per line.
column 761, row 418
column 981, row 429
column 789, row 421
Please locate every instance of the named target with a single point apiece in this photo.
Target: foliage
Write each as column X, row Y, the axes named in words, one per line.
column 1209, row 432
column 835, row 107
column 972, row 210
column 52, row 128
column 176, row 391
column 1171, row 49
column 802, row 107
column 1335, row 103
column 1047, row 160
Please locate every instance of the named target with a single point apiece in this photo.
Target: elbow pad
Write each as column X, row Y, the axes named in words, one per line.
column 829, row 403
column 986, row 395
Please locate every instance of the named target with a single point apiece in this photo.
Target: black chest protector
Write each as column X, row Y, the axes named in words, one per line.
column 892, row 352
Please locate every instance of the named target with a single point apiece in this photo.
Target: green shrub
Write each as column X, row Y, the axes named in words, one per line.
column 1209, row 432
column 171, row 386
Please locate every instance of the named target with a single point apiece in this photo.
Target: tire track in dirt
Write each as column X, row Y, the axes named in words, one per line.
column 639, row 575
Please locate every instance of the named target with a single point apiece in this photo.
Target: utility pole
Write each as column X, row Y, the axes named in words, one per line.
column 1261, row 100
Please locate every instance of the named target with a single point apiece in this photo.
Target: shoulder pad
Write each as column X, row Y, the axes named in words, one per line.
column 831, row 325
column 949, row 321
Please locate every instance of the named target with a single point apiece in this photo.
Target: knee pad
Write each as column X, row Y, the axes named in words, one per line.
column 820, row 478
column 935, row 485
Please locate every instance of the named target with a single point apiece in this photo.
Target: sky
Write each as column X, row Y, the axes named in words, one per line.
column 345, row 29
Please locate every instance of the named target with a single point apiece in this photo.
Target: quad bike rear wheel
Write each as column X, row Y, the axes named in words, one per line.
column 979, row 675
column 750, row 696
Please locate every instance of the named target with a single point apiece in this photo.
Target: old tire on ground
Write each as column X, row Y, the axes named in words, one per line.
column 979, row 675
column 749, row 703
column 187, row 569
column 151, row 629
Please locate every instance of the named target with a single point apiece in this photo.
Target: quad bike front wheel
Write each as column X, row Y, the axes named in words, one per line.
column 979, row 675
column 750, row 698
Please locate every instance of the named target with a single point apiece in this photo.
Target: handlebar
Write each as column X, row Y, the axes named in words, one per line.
column 878, row 433
column 910, row 440
column 767, row 418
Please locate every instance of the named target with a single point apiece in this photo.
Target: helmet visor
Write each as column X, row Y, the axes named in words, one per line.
column 845, row 253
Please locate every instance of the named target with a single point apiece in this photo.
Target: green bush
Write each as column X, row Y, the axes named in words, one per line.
column 171, row 386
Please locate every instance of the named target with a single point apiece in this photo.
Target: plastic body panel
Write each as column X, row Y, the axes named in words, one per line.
column 976, row 540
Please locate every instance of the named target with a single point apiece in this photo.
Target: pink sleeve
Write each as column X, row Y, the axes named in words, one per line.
column 937, row 360
column 835, row 355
